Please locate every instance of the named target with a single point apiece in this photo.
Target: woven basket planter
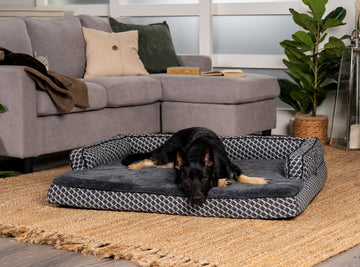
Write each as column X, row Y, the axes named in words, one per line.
column 306, row 125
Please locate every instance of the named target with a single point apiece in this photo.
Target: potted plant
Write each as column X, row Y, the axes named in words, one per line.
column 313, row 60
column 5, row 173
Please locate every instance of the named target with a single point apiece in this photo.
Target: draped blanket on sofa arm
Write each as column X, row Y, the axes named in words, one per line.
column 65, row 91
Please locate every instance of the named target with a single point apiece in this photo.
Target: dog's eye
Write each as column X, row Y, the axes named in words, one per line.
column 188, row 180
column 204, row 179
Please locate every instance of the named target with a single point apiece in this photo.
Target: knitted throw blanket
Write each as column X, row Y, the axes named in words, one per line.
column 65, row 91
column 73, row 93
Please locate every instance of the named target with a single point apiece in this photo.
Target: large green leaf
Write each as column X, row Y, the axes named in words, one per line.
column 338, row 13
column 331, row 53
column 298, row 81
column 295, row 55
column 293, row 59
column 288, row 43
column 329, row 70
column 286, row 87
column 304, row 99
column 330, row 23
column 304, row 21
column 2, row 109
column 295, row 67
column 330, row 57
column 305, row 78
column 304, row 40
column 317, row 8
column 334, row 43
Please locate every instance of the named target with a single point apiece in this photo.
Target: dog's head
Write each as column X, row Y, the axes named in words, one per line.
column 195, row 177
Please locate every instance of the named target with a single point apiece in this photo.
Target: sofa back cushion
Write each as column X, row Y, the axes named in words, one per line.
column 96, row 23
column 156, row 49
column 112, row 54
column 100, row 23
column 14, row 36
column 62, row 41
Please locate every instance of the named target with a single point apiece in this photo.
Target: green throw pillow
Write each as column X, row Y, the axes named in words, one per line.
column 156, row 49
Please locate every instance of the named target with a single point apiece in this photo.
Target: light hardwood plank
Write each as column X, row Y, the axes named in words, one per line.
column 14, row 253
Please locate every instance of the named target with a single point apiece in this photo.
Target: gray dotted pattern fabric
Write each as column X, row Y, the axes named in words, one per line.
column 304, row 159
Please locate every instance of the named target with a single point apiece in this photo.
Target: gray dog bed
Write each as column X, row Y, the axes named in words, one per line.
column 294, row 167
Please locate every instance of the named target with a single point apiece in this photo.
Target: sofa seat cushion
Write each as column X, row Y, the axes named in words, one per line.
column 14, row 36
column 218, row 89
column 130, row 90
column 97, row 100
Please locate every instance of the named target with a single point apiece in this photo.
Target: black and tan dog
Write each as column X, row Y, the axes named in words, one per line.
column 200, row 162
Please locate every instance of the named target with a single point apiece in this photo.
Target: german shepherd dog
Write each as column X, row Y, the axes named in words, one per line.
column 200, row 162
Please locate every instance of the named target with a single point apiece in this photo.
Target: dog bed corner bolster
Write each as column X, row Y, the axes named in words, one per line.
column 100, row 153
column 302, row 162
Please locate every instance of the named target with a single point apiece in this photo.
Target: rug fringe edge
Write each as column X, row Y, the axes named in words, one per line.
column 142, row 256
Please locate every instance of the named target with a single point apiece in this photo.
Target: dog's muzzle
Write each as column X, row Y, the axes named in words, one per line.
column 197, row 198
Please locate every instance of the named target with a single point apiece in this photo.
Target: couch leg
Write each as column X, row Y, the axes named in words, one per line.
column 266, row 133
column 28, row 165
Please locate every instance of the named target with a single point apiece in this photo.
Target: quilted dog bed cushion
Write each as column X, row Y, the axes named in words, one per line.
column 294, row 167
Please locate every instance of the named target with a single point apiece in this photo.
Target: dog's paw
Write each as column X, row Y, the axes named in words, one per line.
column 136, row 166
column 223, row 182
column 258, row 180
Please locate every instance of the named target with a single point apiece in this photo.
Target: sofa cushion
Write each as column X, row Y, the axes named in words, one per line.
column 218, row 90
column 62, row 41
column 112, row 54
column 14, row 36
column 93, row 22
column 100, row 23
column 130, row 90
column 156, row 48
column 97, row 100
column 230, row 119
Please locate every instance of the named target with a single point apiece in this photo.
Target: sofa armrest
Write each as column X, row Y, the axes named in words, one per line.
column 18, row 128
column 305, row 160
column 203, row 62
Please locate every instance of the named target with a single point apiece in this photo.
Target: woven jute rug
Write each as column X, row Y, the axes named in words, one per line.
column 328, row 226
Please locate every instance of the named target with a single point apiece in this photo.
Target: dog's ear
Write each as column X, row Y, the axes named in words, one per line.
column 208, row 157
column 179, row 159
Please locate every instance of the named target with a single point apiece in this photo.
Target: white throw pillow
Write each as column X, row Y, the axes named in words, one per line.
column 112, row 54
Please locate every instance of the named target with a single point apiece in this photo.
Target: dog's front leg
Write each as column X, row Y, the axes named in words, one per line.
column 250, row 180
column 141, row 164
column 149, row 162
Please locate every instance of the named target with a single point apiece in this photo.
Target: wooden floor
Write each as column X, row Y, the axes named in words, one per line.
column 14, row 253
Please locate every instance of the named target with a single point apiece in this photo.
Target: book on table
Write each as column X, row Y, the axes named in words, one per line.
column 225, row 72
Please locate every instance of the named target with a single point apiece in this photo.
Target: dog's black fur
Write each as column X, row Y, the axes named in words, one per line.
column 199, row 158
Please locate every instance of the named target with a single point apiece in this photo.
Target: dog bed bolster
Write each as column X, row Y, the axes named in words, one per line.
column 302, row 155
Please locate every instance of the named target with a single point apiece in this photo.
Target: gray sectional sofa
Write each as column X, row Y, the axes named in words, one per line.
column 154, row 103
